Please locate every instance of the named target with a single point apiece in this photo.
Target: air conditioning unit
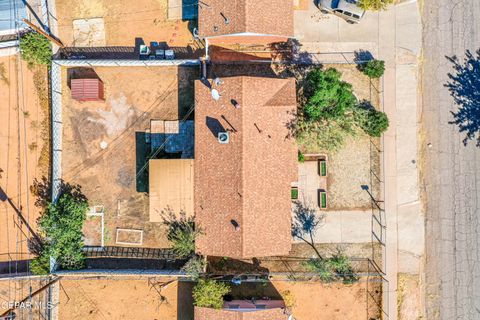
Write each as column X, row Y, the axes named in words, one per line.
column 223, row 137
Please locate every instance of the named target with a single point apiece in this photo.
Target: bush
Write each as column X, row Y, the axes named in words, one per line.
column 61, row 224
column 321, row 268
column 209, row 294
column 373, row 68
column 337, row 267
column 181, row 232
column 374, row 5
column 35, row 49
column 371, row 121
column 40, row 265
column 328, row 97
column 301, row 157
column 325, row 136
column 194, row 267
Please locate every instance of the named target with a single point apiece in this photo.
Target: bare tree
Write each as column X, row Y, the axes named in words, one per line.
column 305, row 223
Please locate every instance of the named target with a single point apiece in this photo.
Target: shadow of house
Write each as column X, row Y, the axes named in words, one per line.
column 465, row 90
column 223, row 266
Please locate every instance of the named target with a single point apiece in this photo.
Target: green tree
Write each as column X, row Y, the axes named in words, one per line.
column 373, row 68
column 61, row 223
column 374, row 5
column 181, row 232
column 370, row 120
column 35, row 48
column 328, row 97
column 209, row 293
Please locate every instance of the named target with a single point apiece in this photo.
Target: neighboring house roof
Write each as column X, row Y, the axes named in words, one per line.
column 170, row 187
column 222, row 314
column 248, row 180
column 245, row 16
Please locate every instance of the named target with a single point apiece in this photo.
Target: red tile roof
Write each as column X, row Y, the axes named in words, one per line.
column 245, row 16
column 248, row 180
column 222, row 314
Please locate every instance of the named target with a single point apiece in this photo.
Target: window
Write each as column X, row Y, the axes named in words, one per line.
column 356, row 16
column 233, row 306
column 261, row 306
column 347, row 13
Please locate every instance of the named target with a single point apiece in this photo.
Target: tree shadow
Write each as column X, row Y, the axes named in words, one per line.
column 465, row 89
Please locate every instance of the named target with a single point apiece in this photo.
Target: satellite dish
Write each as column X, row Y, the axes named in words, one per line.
column 215, row 94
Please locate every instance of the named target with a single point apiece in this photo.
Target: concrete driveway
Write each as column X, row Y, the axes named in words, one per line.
column 313, row 26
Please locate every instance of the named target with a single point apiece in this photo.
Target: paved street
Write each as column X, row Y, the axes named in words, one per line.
column 451, row 169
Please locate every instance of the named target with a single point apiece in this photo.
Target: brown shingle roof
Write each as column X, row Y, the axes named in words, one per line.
column 222, row 314
column 247, row 180
column 245, row 16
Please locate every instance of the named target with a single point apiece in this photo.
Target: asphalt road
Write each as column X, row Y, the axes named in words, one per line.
column 452, row 170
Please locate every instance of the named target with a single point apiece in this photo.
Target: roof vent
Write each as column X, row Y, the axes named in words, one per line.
column 223, row 137
column 215, row 94
column 235, row 224
column 225, row 19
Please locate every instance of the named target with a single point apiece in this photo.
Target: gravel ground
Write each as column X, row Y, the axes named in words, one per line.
column 452, row 169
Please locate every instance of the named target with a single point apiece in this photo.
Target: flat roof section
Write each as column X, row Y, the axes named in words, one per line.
column 170, row 186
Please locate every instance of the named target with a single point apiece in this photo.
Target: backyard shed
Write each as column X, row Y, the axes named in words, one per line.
column 170, row 186
column 87, row 89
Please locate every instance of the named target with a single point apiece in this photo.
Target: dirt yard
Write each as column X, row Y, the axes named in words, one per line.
column 23, row 154
column 119, row 22
column 16, row 290
column 104, row 146
column 124, row 298
column 351, row 167
column 317, row 301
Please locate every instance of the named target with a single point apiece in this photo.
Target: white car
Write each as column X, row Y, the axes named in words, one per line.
column 345, row 9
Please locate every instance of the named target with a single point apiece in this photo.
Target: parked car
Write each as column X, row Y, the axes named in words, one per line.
column 345, row 9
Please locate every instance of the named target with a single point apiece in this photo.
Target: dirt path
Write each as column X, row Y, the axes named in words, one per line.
column 452, row 169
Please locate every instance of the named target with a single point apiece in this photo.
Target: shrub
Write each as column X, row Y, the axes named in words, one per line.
column 35, row 49
column 181, row 232
column 301, row 157
column 324, row 136
column 209, row 293
column 371, row 121
column 373, row 68
column 321, row 268
column 337, row 267
column 194, row 267
column 341, row 265
column 40, row 265
column 374, row 5
column 60, row 227
column 62, row 223
column 328, row 97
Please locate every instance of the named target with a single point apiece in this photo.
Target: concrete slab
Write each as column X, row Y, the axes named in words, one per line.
column 344, row 227
column 312, row 25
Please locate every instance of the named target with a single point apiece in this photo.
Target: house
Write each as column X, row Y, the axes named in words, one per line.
column 248, row 314
column 245, row 164
column 249, row 23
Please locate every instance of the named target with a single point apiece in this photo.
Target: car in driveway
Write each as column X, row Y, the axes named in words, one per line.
column 345, row 9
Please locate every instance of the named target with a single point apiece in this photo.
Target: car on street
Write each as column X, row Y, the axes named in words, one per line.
column 345, row 9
